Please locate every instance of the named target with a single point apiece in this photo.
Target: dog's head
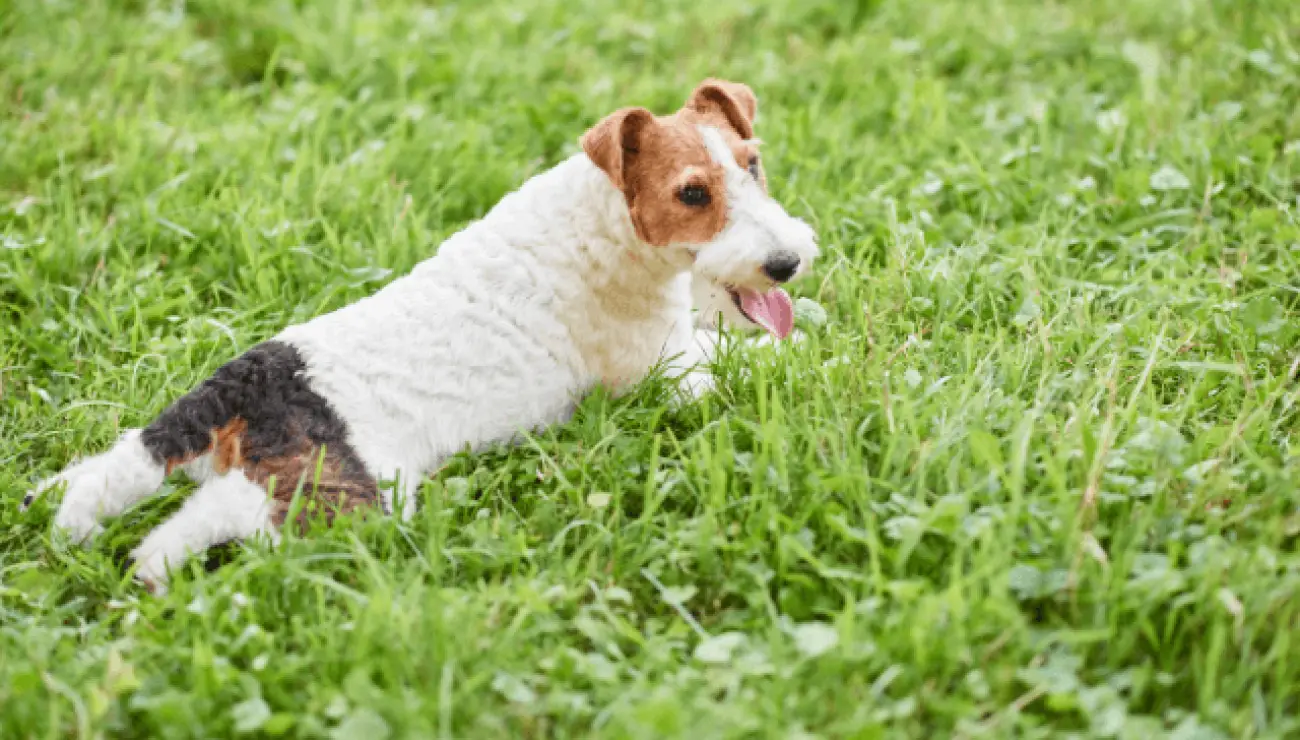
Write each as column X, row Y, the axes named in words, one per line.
column 694, row 182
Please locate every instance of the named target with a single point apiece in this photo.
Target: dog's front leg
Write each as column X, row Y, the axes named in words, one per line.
column 691, row 361
column 402, row 485
column 767, row 340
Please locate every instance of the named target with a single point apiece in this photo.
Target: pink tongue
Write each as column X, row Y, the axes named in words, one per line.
column 772, row 310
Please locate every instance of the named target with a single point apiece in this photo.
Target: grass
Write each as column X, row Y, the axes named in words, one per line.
column 1037, row 477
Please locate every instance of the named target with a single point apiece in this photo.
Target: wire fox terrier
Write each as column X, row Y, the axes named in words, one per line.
column 586, row 275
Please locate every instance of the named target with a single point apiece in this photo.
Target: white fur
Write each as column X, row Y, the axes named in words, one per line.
column 226, row 507
column 756, row 227
column 513, row 321
column 520, row 314
column 714, row 307
column 103, row 485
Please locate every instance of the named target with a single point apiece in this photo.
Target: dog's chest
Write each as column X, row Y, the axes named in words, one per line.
column 619, row 351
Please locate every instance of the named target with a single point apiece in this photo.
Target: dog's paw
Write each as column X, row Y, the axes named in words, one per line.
column 62, row 481
column 101, row 486
column 768, row 340
column 78, row 516
column 695, row 385
column 39, row 490
column 152, row 566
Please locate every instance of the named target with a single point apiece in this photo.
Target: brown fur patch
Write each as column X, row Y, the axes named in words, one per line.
column 730, row 107
column 651, row 159
column 259, row 415
column 228, row 446
column 332, row 481
column 342, row 485
column 733, row 101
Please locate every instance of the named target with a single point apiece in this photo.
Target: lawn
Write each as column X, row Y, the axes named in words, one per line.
column 1037, row 476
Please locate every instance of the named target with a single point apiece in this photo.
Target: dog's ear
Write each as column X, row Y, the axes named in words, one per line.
column 609, row 142
column 734, row 100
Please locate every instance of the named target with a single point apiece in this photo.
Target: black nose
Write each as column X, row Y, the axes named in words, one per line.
column 781, row 266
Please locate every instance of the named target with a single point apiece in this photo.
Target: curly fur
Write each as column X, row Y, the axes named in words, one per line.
column 513, row 321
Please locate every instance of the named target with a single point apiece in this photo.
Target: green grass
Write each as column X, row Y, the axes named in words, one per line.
column 1038, row 477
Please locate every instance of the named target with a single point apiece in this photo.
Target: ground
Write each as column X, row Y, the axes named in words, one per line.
column 1037, row 476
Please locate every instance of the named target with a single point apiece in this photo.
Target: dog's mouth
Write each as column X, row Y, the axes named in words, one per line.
column 773, row 310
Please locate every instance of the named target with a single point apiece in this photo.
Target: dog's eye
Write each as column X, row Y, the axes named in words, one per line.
column 753, row 166
column 694, row 196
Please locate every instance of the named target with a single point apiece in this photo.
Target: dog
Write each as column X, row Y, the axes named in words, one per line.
column 617, row 261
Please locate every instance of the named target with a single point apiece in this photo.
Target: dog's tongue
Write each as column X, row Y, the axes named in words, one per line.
column 772, row 310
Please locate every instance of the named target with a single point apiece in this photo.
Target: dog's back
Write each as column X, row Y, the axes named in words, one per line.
column 580, row 277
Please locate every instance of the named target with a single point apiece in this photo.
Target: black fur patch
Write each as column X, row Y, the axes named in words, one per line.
column 259, row 414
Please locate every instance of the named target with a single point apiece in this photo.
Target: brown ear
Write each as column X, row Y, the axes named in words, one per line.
column 616, row 135
column 734, row 100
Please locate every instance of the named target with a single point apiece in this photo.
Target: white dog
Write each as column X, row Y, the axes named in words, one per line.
column 581, row 277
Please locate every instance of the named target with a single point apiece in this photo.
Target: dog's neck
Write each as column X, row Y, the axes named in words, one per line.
column 629, row 259
column 567, row 236
column 621, row 271
column 570, row 232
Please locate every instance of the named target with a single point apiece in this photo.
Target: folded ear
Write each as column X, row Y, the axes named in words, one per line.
column 734, row 100
column 617, row 135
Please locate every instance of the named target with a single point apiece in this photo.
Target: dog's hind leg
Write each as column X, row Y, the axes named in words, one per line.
column 182, row 436
column 133, row 469
column 103, row 485
column 257, row 414
column 226, row 507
